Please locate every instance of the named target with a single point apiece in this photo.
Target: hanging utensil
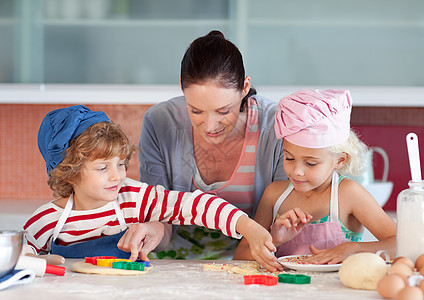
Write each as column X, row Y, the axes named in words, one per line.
column 414, row 156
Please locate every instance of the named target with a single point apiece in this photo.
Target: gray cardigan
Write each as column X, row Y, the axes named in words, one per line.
column 166, row 147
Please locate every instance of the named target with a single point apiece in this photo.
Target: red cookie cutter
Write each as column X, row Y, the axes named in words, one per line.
column 93, row 260
column 260, row 279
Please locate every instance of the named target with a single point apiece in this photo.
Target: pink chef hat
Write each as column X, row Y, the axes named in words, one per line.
column 314, row 118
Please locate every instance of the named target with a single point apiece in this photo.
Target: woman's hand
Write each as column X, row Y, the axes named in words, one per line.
column 260, row 243
column 142, row 238
column 288, row 225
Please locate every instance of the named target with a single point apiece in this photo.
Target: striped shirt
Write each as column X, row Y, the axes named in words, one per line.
column 239, row 189
column 139, row 203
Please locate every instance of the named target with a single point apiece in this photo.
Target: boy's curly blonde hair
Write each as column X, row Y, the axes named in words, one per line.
column 102, row 140
column 356, row 163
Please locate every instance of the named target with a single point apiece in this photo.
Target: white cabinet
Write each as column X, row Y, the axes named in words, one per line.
column 330, row 42
column 284, row 42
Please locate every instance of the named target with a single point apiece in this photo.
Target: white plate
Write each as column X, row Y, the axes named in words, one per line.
column 306, row 267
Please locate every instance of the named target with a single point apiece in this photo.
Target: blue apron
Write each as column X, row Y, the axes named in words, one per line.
column 104, row 246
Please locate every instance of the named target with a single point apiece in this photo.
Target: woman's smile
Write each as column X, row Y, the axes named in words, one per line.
column 215, row 134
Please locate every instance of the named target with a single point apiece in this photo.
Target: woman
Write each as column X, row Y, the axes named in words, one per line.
column 219, row 137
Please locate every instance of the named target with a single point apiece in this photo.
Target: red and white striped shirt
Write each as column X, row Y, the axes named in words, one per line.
column 139, row 202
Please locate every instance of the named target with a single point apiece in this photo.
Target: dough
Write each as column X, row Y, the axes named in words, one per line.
column 248, row 268
column 362, row 271
column 243, row 270
column 87, row 268
column 217, row 267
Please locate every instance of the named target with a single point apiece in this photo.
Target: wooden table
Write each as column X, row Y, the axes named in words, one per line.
column 179, row 279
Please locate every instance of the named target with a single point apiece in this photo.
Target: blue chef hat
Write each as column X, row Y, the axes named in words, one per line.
column 62, row 125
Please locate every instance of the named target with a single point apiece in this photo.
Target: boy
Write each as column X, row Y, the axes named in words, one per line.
column 86, row 158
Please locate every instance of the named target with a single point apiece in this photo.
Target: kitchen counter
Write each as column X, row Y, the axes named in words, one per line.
column 177, row 279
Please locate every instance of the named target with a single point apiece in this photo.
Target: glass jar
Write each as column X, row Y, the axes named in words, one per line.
column 410, row 221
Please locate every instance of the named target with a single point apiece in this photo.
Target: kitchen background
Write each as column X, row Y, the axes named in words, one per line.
column 122, row 56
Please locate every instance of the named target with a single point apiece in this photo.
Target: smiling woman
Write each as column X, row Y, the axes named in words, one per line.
column 219, row 129
column 219, row 137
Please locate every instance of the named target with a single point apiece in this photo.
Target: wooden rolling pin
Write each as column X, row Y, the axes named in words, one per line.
column 51, row 259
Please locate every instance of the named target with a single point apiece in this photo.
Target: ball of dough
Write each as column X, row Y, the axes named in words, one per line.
column 362, row 271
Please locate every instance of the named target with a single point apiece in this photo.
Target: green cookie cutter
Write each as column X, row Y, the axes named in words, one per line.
column 294, row 278
column 128, row 265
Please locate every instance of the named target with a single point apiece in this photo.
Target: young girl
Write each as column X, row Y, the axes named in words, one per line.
column 86, row 157
column 319, row 210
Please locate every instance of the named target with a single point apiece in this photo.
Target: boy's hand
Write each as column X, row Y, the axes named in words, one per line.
column 288, row 225
column 260, row 242
column 141, row 238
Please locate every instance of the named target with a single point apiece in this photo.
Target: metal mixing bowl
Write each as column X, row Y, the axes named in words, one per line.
column 10, row 250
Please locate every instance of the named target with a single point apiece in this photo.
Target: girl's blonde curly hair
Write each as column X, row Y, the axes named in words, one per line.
column 356, row 150
column 103, row 140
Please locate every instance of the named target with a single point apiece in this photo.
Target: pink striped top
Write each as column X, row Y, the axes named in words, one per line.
column 139, row 203
column 239, row 189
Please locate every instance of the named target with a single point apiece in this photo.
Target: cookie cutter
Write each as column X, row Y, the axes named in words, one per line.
column 144, row 262
column 260, row 279
column 107, row 262
column 93, row 260
column 294, row 278
column 128, row 265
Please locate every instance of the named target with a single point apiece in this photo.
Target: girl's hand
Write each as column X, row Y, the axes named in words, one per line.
column 142, row 238
column 288, row 225
column 332, row 255
column 260, row 243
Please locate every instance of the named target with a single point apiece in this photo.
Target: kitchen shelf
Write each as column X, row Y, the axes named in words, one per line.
column 126, row 22
column 376, row 96
column 332, row 23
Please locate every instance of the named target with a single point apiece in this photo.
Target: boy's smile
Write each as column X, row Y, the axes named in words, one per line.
column 113, row 188
column 100, row 183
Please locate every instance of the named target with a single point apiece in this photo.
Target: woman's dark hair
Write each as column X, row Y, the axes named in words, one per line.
column 212, row 57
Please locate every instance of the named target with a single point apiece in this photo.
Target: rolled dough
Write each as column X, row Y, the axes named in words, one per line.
column 248, row 268
column 87, row 268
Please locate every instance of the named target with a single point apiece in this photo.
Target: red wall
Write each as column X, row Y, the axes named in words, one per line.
column 22, row 169
column 393, row 140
